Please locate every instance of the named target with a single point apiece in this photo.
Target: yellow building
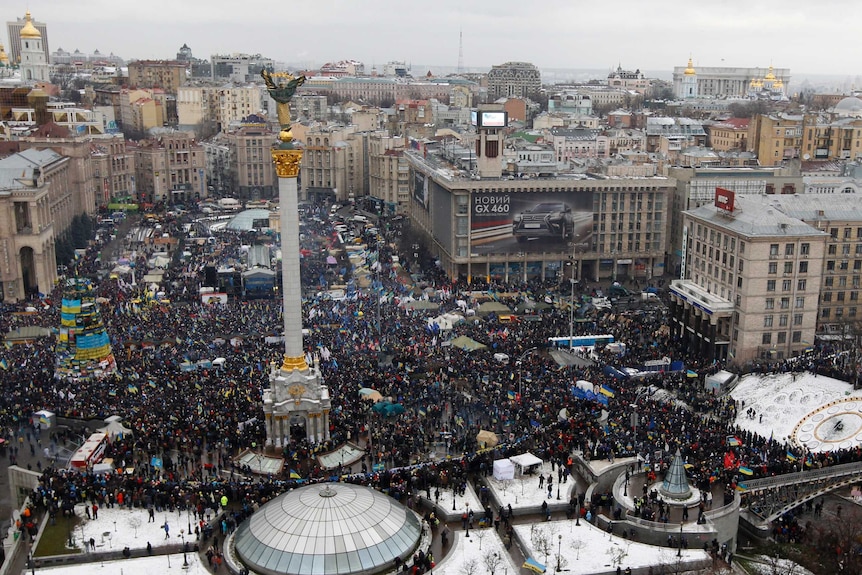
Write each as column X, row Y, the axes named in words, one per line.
column 729, row 135
column 825, row 139
column 776, row 138
column 142, row 109
column 168, row 75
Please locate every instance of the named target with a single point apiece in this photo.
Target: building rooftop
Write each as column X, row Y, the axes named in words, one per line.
column 819, row 207
column 18, row 168
column 754, row 218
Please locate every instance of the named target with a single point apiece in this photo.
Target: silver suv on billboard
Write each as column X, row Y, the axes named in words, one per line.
column 547, row 220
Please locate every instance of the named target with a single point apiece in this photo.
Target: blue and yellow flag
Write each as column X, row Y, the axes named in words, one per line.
column 295, row 475
column 607, row 391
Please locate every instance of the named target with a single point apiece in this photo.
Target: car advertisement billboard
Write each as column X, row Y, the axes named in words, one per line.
column 512, row 222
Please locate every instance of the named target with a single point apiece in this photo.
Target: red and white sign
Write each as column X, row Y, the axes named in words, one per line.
column 724, row 199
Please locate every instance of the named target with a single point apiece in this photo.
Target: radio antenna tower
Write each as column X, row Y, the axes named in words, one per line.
column 460, row 51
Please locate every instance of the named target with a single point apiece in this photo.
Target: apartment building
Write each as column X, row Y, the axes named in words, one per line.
column 839, row 216
column 728, row 135
column 222, row 105
column 750, row 281
column 388, row 171
column 513, row 79
column 167, row 75
column 142, row 109
column 170, row 168
column 334, row 163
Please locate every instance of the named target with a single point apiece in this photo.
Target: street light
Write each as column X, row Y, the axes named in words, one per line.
column 185, row 558
column 679, row 547
column 519, row 363
column 467, row 504
column 572, row 315
column 578, row 512
column 559, row 545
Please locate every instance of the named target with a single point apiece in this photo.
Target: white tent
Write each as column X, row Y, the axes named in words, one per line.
column 115, row 428
column 525, row 461
column 585, row 385
column 504, row 469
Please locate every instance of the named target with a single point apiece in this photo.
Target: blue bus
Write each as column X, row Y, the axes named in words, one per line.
column 581, row 341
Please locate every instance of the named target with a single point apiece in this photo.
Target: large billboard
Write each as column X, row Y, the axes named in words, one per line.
column 724, row 199
column 420, row 188
column 512, row 222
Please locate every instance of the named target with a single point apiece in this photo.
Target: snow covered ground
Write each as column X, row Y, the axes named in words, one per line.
column 162, row 564
column 482, row 544
column 119, row 528
column 784, row 400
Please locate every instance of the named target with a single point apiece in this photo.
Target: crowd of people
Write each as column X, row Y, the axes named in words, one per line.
column 196, row 420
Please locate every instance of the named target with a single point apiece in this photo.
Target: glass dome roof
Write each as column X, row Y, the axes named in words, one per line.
column 246, row 219
column 332, row 529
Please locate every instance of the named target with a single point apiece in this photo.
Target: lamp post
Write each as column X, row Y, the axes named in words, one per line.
column 578, row 512
column 467, row 504
column 558, row 490
column 572, row 315
column 185, row 558
column 519, row 363
column 679, row 547
column 559, row 545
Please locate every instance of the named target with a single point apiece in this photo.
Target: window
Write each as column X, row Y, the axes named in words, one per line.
column 742, row 247
column 782, row 337
column 804, row 249
column 773, row 267
column 766, row 338
column 801, row 285
column 785, row 303
column 797, row 319
column 773, row 249
column 782, row 320
column 767, row 321
column 827, row 296
column 785, row 285
column 832, row 249
column 770, row 303
column 788, row 249
column 824, row 314
column 796, row 337
column 788, row 267
column 770, row 285
column 803, row 267
column 800, row 302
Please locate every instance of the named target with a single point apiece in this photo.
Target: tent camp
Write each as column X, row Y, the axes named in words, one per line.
column 585, row 385
column 493, row 307
column 525, row 461
column 467, row 344
column 504, row 469
column 420, row 304
column 487, row 438
column 445, row 321
column 114, row 428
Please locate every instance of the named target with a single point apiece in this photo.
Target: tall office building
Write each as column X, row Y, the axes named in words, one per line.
column 13, row 29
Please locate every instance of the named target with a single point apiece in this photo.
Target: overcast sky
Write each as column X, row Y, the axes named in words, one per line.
column 655, row 35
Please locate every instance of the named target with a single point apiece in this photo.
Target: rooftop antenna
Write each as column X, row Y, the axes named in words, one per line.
column 460, row 51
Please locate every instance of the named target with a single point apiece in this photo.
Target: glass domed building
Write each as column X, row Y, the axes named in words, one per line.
column 332, row 529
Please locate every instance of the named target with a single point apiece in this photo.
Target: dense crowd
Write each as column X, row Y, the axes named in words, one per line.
column 196, row 420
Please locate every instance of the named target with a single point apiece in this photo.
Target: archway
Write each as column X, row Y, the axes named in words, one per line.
column 297, row 427
column 27, row 257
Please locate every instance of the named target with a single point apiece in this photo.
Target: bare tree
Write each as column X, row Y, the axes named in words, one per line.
column 542, row 539
column 618, row 553
column 470, row 567
column 492, row 561
column 480, row 535
column 135, row 523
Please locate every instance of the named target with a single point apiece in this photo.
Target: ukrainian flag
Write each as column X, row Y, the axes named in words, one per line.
column 533, row 566
column 746, row 471
column 294, row 474
column 511, row 394
column 607, row 391
column 422, row 412
column 4, row 364
column 791, row 457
